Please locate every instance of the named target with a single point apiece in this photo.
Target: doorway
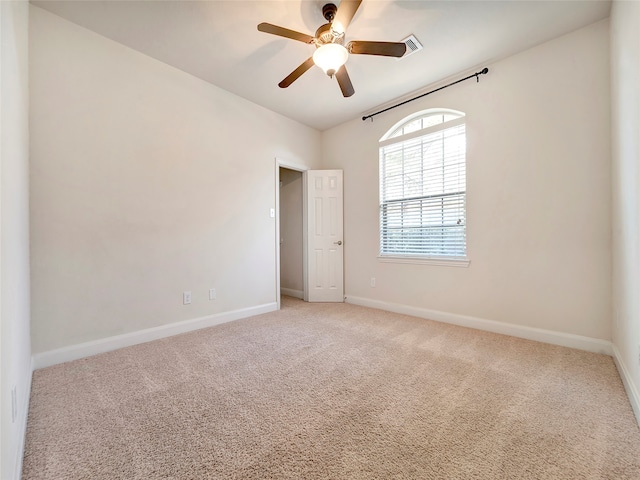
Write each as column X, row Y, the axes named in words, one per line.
column 291, row 233
column 295, row 238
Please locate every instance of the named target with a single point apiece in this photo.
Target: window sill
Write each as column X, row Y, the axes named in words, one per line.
column 439, row 261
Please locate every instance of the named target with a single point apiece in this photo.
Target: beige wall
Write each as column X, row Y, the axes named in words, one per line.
column 14, row 232
column 291, row 232
column 538, row 188
column 146, row 182
column 625, row 79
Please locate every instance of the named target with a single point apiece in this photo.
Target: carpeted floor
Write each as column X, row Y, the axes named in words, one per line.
column 333, row 391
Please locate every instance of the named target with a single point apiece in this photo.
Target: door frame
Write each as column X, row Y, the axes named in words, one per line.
column 303, row 169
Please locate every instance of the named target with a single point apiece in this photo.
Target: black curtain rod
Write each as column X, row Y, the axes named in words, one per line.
column 484, row 71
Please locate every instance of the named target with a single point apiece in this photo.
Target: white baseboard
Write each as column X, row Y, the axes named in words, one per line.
column 22, row 428
column 529, row 333
column 629, row 386
column 82, row 350
column 290, row 292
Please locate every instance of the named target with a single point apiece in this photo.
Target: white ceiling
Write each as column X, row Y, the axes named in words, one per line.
column 218, row 41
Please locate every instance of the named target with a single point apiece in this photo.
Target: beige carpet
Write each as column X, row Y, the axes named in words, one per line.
column 320, row 391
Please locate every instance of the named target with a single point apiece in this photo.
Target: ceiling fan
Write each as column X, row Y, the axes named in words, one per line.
column 331, row 53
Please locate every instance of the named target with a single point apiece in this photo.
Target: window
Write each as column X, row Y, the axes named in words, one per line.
column 423, row 189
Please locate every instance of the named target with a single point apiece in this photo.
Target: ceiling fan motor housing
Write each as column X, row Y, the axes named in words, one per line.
column 325, row 35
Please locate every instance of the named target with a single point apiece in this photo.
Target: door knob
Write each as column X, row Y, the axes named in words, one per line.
column 339, row 242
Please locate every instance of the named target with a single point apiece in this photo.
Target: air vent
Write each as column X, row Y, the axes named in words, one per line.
column 413, row 45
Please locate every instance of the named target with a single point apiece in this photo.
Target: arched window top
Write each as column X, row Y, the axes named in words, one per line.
column 421, row 120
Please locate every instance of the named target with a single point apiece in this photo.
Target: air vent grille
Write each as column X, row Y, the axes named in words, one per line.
column 413, row 45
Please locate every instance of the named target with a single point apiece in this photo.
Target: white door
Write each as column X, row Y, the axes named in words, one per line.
column 325, row 278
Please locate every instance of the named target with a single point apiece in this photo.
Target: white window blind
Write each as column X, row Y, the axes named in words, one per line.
column 423, row 190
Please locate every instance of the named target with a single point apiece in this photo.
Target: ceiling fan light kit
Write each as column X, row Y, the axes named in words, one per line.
column 330, row 57
column 331, row 54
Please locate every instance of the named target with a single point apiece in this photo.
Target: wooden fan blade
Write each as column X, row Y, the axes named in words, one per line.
column 386, row 49
column 285, row 32
column 293, row 76
column 345, row 82
column 344, row 15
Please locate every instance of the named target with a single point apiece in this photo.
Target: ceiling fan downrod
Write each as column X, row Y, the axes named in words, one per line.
column 329, row 12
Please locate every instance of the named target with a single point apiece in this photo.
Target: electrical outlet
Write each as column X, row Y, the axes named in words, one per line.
column 14, row 405
column 212, row 294
column 373, row 281
column 186, row 298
